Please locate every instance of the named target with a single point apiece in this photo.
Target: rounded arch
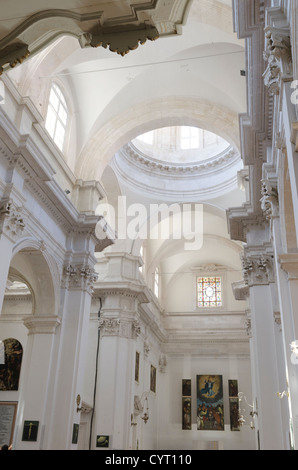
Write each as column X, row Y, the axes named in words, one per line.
column 36, row 267
column 148, row 115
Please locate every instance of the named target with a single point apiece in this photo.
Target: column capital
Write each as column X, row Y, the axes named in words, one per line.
column 12, row 220
column 79, row 277
column 258, row 269
column 42, row 324
column 122, row 327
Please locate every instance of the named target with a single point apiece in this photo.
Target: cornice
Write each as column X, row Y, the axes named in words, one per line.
column 218, row 162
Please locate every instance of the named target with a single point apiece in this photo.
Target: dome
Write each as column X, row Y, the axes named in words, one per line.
column 180, row 144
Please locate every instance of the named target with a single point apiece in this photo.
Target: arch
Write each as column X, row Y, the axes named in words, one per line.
column 32, row 263
column 148, row 115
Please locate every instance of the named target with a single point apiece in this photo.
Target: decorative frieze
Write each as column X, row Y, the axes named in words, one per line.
column 269, row 200
column 12, row 222
column 162, row 363
column 79, row 277
column 257, row 269
column 278, row 56
column 122, row 327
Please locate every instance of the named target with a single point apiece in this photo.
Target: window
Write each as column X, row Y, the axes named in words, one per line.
column 209, row 292
column 189, row 138
column 156, row 282
column 57, row 116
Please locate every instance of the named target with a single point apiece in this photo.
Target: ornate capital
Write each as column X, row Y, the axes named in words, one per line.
column 12, row 221
column 278, row 55
column 79, row 277
column 269, row 200
column 257, row 269
column 122, row 327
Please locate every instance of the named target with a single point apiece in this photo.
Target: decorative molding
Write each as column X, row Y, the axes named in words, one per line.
column 124, row 41
column 12, row 222
column 147, row 348
column 277, row 319
column 79, row 277
column 41, row 324
column 248, row 323
column 269, row 200
column 162, row 363
column 258, row 269
column 13, row 54
column 132, row 154
column 278, row 56
column 121, row 327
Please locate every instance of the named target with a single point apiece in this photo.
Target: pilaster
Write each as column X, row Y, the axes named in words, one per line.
column 35, row 376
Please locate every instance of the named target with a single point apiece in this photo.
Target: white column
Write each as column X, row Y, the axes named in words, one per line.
column 289, row 292
column 258, row 272
column 35, row 378
column 121, row 293
column 114, row 400
column 68, row 368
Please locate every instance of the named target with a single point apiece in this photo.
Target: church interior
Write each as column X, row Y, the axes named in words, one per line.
column 148, row 225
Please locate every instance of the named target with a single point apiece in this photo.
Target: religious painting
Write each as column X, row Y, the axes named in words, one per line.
column 233, row 388
column 75, row 434
column 234, row 414
column 10, row 368
column 102, row 441
column 210, row 407
column 137, row 366
column 186, row 387
column 30, row 431
column 186, row 413
column 234, row 405
column 186, row 404
column 153, row 378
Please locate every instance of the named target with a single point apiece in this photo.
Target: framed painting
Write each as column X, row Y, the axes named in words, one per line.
column 137, row 366
column 186, row 387
column 233, row 388
column 152, row 378
column 186, row 413
column 234, row 405
column 75, row 433
column 186, row 404
column 102, row 441
column 30, row 431
column 234, row 414
column 210, row 407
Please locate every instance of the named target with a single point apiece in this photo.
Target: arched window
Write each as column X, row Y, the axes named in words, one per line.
column 57, row 116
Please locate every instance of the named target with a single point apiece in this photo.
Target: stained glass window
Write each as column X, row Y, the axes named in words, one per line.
column 209, row 292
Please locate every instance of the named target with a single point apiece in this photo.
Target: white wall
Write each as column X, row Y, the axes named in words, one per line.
column 171, row 435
